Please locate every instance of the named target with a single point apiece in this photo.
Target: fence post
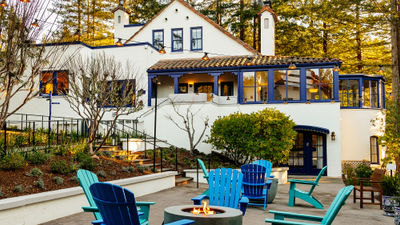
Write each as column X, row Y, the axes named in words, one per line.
column 127, row 143
column 5, row 137
column 58, row 131
column 161, row 150
column 26, row 120
column 176, row 159
column 197, row 173
column 33, row 134
column 22, row 121
column 29, row 134
column 42, row 122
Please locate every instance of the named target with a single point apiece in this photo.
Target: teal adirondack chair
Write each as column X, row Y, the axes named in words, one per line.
column 304, row 195
column 87, row 178
column 225, row 187
column 117, row 206
column 205, row 172
column 338, row 202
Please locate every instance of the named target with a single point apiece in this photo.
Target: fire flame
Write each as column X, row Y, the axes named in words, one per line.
column 205, row 210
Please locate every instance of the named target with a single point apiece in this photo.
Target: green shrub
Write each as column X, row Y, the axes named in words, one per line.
column 60, row 150
column 38, row 158
column 12, row 161
column 40, row 183
column 140, row 168
column 88, row 164
column 105, row 153
column 268, row 134
column 35, row 172
column 128, row 169
column 18, row 188
column 1, row 193
column 113, row 172
column 101, row 173
column 75, row 179
column 58, row 180
column 391, row 185
column 60, row 167
column 363, row 171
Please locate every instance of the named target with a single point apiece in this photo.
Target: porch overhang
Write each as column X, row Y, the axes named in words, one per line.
column 312, row 129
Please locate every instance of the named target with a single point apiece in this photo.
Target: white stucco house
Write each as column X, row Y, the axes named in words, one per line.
column 333, row 112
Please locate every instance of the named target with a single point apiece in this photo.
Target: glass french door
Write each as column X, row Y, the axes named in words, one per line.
column 308, row 155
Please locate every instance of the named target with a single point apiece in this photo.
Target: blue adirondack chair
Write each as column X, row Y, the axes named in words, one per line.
column 117, row 205
column 304, row 195
column 225, row 187
column 254, row 182
column 87, row 178
column 338, row 202
column 205, row 172
column 268, row 166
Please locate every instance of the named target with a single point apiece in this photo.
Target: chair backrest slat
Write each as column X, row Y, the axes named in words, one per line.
column 117, row 205
column 336, row 205
column 225, row 187
column 377, row 175
column 87, row 178
column 265, row 163
column 253, row 179
column 318, row 178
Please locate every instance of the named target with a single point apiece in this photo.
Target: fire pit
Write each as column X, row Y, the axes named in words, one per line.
column 209, row 215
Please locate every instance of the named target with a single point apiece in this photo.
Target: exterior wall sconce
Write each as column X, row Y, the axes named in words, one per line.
column 35, row 23
column 3, row 3
column 249, row 61
column 333, row 136
column 380, row 69
column 308, row 102
column 119, row 42
column 336, row 68
column 77, row 33
column 292, row 66
column 162, row 50
column 205, row 57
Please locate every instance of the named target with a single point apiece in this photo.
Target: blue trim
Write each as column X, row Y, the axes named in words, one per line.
column 135, row 25
column 303, row 84
column 97, row 47
column 384, row 96
column 336, row 85
column 311, row 128
column 377, row 149
column 191, row 38
column 173, row 39
column 163, row 39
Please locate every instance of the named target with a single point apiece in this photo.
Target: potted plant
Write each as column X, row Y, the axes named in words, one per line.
column 391, row 193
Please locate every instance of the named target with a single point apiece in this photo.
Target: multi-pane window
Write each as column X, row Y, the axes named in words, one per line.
column 177, row 40
column 121, row 91
column 361, row 92
column 54, row 82
column 196, row 38
column 349, row 93
column 374, row 150
column 255, row 86
column 371, row 93
column 287, row 85
column 296, row 155
column 158, row 39
column 319, row 84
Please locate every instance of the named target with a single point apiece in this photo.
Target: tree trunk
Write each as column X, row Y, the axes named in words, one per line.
column 241, row 21
column 325, row 40
column 358, row 38
column 395, row 38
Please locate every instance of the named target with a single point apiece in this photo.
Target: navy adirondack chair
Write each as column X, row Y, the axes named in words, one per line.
column 254, row 182
column 87, row 178
column 225, row 187
column 305, row 195
column 117, row 206
column 338, row 202
column 205, row 172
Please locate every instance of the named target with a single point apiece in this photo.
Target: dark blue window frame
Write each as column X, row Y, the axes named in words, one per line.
column 124, row 82
column 175, row 40
column 158, row 44
column 54, row 80
column 374, row 149
column 380, row 92
column 273, row 100
column 196, row 39
column 321, row 84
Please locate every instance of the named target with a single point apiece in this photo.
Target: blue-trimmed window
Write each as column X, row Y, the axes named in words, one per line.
column 158, row 39
column 54, row 82
column 370, row 93
column 255, row 86
column 287, row 85
column 374, row 150
column 119, row 89
column 177, row 40
column 319, row 84
column 196, row 38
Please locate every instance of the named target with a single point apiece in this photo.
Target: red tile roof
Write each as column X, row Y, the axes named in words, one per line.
column 267, row 8
column 248, row 47
column 235, row 61
column 121, row 7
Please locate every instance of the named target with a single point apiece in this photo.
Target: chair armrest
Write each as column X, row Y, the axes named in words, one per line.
column 303, row 182
column 97, row 222
column 282, row 215
column 145, row 203
column 197, row 200
column 90, row 209
column 284, row 222
column 181, row 222
column 271, row 176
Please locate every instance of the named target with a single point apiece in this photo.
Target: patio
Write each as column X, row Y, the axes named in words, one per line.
column 349, row 214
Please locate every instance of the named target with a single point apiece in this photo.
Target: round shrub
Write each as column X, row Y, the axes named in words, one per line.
column 12, row 161
column 18, row 188
column 87, row 164
column 101, row 173
column 363, row 171
column 35, row 172
column 39, row 183
column 60, row 167
column 58, row 180
column 38, row 158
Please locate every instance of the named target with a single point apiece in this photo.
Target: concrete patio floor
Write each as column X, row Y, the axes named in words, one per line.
column 349, row 214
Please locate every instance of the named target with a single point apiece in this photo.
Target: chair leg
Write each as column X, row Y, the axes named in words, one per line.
column 372, row 197
column 354, row 195
column 380, row 199
column 361, row 198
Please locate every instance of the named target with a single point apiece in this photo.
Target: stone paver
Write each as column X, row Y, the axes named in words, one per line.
column 349, row 214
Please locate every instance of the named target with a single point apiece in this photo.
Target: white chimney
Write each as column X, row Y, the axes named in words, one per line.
column 267, row 32
column 121, row 18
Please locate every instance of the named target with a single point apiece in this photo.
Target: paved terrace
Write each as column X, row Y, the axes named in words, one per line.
column 349, row 214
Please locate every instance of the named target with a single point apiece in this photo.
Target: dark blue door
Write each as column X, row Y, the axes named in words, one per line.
column 308, row 155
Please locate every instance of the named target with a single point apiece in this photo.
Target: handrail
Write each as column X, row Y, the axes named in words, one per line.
column 152, row 108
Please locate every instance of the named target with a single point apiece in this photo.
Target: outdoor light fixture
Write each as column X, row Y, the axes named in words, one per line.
column 292, row 66
column 162, row 50
column 333, row 136
column 119, row 42
column 205, row 57
column 336, row 68
column 35, row 23
column 380, row 69
column 77, row 33
column 27, row 1
column 3, row 3
column 248, row 62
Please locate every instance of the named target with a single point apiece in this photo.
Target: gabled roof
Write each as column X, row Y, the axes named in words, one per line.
column 248, row 47
column 121, row 7
column 268, row 9
column 237, row 61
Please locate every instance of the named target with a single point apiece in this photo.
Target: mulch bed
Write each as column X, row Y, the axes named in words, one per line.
column 10, row 179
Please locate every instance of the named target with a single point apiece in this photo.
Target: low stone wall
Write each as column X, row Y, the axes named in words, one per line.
column 47, row 206
column 281, row 173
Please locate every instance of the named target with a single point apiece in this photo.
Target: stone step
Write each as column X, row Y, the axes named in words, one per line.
column 140, row 161
column 179, row 181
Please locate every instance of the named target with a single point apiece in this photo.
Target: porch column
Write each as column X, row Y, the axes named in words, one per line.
column 176, row 82
column 216, row 76
column 150, row 88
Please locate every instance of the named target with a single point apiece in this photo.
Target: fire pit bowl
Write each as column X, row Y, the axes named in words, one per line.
column 222, row 215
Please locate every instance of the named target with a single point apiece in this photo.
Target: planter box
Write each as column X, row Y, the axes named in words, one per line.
column 281, row 173
column 47, row 206
column 132, row 144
